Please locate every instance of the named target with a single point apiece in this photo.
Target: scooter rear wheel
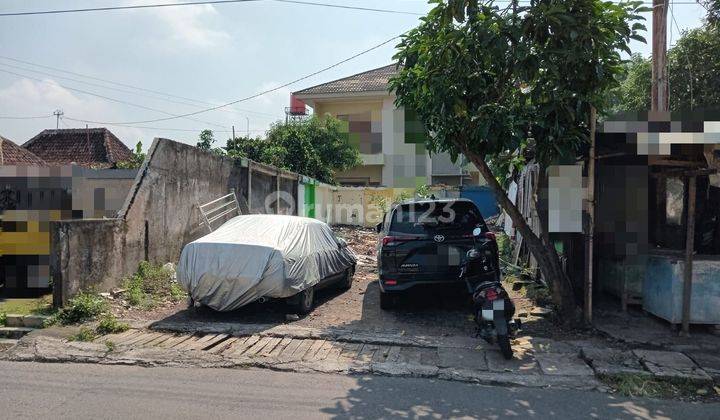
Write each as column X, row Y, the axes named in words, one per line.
column 505, row 349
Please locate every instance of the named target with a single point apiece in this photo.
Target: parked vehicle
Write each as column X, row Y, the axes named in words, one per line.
column 425, row 242
column 256, row 257
column 492, row 307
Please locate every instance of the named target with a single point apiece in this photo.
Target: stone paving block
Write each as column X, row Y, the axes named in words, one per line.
column 410, row 355
column 461, row 358
column 670, row 364
column 34, row 321
column 710, row 363
column 562, row 364
column 609, row 361
column 521, row 363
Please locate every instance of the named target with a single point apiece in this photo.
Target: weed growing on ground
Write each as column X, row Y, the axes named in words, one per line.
column 3, row 319
column 110, row 345
column 85, row 334
column 83, row 307
column 150, row 285
column 646, row 385
column 110, row 325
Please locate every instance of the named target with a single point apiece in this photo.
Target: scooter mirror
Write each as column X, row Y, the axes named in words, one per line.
column 477, row 231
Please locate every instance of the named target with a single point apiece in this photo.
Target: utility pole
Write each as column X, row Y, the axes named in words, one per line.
column 58, row 113
column 233, row 137
column 248, row 126
column 660, row 89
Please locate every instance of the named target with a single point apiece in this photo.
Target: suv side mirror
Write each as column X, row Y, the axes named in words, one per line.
column 378, row 227
column 477, row 232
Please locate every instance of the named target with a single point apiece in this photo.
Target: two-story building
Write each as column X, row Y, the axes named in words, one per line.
column 391, row 139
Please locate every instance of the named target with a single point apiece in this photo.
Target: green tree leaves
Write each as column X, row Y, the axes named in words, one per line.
column 316, row 147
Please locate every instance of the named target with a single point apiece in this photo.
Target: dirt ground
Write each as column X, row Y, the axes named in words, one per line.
column 432, row 311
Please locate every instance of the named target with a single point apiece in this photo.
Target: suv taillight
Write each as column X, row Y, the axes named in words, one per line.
column 392, row 240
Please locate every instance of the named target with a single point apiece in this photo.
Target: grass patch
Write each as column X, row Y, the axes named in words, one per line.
column 85, row 306
column 110, row 345
column 646, row 385
column 85, row 334
column 36, row 306
column 150, row 285
column 110, row 325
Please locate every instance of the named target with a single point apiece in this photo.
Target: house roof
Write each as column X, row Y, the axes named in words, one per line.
column 375, row 80
column 92, row 147
column 12, row 154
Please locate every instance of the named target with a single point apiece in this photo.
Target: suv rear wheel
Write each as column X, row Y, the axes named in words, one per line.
column 388, row 300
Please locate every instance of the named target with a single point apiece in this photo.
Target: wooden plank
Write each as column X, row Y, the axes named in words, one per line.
column 175, row 340
column 313, row 349
column 268, row 349
column 302, row 349
column 240, row 349
column 394, row 354
column 116, row 337
column 381, row 354
column 163, row 337
column 289, row 350
column 147, row 340
column 280, row 347
column 135, row 339
column 324, row 350
column 230, row 350
column 186, row 343
column 255, row 348
column 335, row 351
column 218, row 338
column 220, row 348
column 134, row 334
column 689, row 248
column 201, row 342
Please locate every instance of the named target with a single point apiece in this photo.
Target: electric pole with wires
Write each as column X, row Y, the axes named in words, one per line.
column 58, row 113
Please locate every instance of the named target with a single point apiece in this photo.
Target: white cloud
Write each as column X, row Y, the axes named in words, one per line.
column 27, row 97
column 189, row 26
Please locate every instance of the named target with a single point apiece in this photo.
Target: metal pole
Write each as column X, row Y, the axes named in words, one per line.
column 689, row 248
column 233, row 128
column 248, row 126
column 659, row 101
column 589, row 261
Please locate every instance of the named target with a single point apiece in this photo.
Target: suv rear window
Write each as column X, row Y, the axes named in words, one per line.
column 458, row 217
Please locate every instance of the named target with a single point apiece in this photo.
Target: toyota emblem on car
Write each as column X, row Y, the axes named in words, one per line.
column 439, row 238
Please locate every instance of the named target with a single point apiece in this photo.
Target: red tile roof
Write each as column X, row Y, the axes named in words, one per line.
column 12, row 154
column 93, row 147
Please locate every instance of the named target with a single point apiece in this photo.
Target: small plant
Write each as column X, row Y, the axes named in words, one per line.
column 150, row 284
column 110, row 325
column 110, row 345
column 645, row 385
column 3, row 319
column 83, row 307
column 85, row 334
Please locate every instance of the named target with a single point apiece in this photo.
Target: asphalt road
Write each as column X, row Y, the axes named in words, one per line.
column 32, row 390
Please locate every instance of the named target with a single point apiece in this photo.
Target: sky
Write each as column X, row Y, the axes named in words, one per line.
column 177, row 60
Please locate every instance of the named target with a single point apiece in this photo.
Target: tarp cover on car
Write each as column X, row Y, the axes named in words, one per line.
column 255, row 256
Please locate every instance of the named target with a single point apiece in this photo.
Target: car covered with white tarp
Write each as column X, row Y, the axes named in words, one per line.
column 259, row 256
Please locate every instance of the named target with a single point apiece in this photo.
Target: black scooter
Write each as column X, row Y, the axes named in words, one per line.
column 492, row 307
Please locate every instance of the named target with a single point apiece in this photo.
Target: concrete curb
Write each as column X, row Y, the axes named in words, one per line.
column 55, row 350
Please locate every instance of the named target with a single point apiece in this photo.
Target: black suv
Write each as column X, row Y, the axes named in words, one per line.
column 425, row 242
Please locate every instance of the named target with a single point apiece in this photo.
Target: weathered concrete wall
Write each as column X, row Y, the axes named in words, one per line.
column 159, row 217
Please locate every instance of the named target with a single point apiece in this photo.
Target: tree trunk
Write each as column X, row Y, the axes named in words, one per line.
column 546, row 256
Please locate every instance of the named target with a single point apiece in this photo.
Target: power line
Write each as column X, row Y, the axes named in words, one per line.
column 108, row 98
column 195, row 3
column 103, row 87
column 4, row 117
column 265, row 92
column 197, row 101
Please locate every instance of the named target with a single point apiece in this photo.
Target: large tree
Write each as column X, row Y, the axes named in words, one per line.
column 693, row 75
column 316, row 147
column 488, row 81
